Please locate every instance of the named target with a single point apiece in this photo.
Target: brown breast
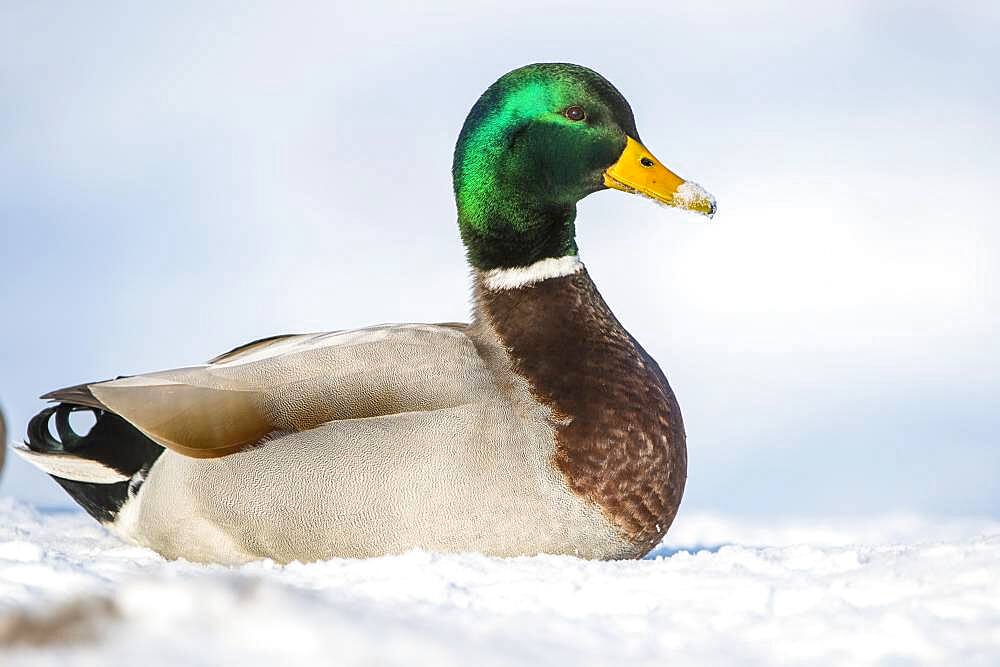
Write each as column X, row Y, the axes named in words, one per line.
column 620, row 437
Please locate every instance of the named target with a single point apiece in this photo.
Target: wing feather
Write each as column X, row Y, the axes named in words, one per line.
column 295, row 383
column 77, row 395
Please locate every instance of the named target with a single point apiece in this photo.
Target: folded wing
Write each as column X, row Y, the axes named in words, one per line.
column 294, row 383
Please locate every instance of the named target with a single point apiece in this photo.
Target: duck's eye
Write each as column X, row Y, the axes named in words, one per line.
column 575, row 113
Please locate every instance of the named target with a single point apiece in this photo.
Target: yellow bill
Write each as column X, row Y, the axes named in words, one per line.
column 637, row 171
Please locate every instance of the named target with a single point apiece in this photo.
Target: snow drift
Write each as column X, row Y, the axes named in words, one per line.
column 896, row 590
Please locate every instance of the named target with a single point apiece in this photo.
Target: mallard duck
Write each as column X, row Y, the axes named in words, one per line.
column 540, row 427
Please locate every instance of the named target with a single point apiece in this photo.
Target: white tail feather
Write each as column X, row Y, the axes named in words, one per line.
column 71, row 467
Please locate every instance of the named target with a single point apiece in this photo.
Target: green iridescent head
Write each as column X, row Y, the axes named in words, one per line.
column 536, row 142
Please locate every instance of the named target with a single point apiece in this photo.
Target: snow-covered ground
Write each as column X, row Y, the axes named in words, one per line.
column 893, row 590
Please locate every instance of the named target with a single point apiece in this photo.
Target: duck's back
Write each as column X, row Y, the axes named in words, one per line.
column 461, row 458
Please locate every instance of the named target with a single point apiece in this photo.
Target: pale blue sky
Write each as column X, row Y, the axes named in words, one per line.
column 176, row 181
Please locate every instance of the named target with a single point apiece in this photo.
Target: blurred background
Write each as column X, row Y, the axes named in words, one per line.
column 178, row 180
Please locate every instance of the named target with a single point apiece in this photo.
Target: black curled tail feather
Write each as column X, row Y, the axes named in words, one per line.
column 41, row 440
column 112, row 442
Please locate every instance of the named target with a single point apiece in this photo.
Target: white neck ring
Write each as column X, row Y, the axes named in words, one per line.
column 523, row 276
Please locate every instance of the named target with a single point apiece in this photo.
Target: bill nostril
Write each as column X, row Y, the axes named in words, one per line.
column 646, row 162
